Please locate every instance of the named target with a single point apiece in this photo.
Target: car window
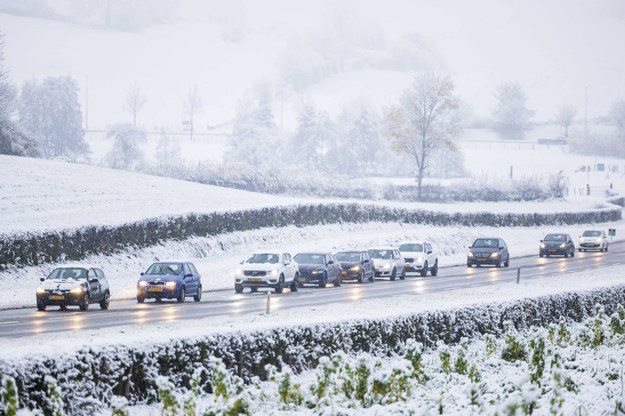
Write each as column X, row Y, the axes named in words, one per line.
column 92, row 274
column 486, row 243
column 555, row 237
column 193, row 269
column 310, row 258
column 99, row 273
column 591, row 233
column 411, row 247
column 380, row 254
column 263, row 258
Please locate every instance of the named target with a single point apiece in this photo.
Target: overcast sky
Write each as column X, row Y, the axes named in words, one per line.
column 561, row 52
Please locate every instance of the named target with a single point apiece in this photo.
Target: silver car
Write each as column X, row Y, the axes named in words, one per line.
column 388, row 262
column 593, row 240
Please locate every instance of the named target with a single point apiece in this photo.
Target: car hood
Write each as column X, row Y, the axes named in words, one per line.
column 159, row 277
column 304, row 267
column 553, row 243
column 260, row 266
column 348, row 264
column 484, row 250
column 591, row 239
column 62, row 284
column 413, row 254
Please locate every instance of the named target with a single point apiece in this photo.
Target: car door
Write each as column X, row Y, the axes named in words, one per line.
column 334, row 270
column 367, row 264
column 95, row 287
column 196, row 274
column 190, row 278
column 399, row 260
column 289, row 267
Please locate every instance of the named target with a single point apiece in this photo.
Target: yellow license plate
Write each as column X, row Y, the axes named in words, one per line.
column 255, row 279
column 57, row 297
column 155, row 289
column 343, row 273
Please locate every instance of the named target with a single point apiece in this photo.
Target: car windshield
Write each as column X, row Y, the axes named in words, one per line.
column 310, row 258
column 555, row 237
column 591, row 234
column 263, row 258
column 486, row 243
column 164, row 268
column 68, row 273
column 411, row 247
column 380, row 254
column 348, row 256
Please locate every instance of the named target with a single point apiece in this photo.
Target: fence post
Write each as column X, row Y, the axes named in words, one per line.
column 268, row 309
column 518, row 275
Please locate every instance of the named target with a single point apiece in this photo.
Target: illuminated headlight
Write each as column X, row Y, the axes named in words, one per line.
column 598, row 240
column 419, row 260
column 273, row 272
column 562, row 245
column 77, row 290
column 387, row 265
column 316, row 272
column 542, row 245
column 355, row 269
column 494, row 255
column 239, row 272
column 41, row 290
column 470, row 254
column 170, row 284
column 143, row 283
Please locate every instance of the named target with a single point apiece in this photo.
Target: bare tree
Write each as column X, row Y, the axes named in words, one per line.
column 135, row 100
column 617, row 114
column 424, row 121
column 192, row 105
column 565, row 116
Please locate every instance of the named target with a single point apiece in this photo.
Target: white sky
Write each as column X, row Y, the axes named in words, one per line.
column 554, row 49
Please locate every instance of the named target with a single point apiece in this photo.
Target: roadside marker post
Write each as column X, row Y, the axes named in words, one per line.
column 268, row 310
column 518, row 275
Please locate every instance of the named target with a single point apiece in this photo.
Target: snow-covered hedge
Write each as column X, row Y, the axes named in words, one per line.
column 37, row 248
column 91, row 377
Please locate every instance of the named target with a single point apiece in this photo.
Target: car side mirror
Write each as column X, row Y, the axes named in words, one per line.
column 366, row 261
column 188, row 275
column 286, row 263
column 541, row 241
column 41, row 279
column 470, row 247
column 241, row 262
column 331, row 262
column 430, row 252
column 93, row 280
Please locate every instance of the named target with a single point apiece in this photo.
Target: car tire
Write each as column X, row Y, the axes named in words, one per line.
column 105, row 302
column 393, row 275
column 41, row 305
column 323, row 280
column 337, row 281
column 361, row 276
column 182, row 295
column 573, row 253
column 403, row 274
column 279, row 285
column 606, row 247
column 294, row 283
column 424, row 271
column 198, row 295
column 83, row 305
column 566, row 254
column 238, row 288
column 434, row 271
column 140, row 299
column 507, row 263
column 498, row 264
column 253, row 289
column 372, row 277
column 579, row 249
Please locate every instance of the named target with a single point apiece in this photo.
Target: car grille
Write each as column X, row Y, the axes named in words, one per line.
column 156, row 283
column 409, row 259
column 254, row 273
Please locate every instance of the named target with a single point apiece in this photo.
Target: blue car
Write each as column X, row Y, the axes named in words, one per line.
column 170, row 280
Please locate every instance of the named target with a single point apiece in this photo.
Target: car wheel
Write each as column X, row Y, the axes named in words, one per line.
column 140, row 299
column 104, row 303
column 606, row 247
column 253, row 289
column 278, row 287
column 337, row 281
column 434, row 271
column 198, row 295
column 403, row 274
column 323, row 280
column 360, row 277
column 393, row 275
column 41, row 305
column 424, row 271
column 566, row 254
column 498, row 264
column 84, row 303
column 181, row 295
column 294, row 283
column 372, row 276
column 507, row 263
column 573, row 253
column 580, row 250
column 238, row 288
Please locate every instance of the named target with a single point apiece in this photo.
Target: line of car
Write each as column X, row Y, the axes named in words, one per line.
column 82, row 285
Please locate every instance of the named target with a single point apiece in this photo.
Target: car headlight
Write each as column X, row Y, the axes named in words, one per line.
column 419, row 259
column 470, row 254
column 355, row 268
column 387, row 265
column 562, row 245
column 598, row 240
column 143, row 283
column 41, row 290
column 170, row 284
column 542, row 245
column 77, row 290
column 494, row 255
column 273, row 272
column 316, row 272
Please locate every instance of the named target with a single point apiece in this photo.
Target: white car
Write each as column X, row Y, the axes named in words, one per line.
column 387, row 262
column 593, row 240
column 419, row 257
column 267, row 269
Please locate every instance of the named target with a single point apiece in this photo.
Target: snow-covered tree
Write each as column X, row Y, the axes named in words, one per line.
column 511, row 117
column 254, row 133
column 50, row 111
column 135, row 100
column 193, row 104
column 305, row 142
column 565, row 116
column 125, row 153
column 8, row 91
column 424, row 121
column 168, row 152
column 617, row 114
column 357, row 142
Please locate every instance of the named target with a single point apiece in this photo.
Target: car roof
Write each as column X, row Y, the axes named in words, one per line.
column 77, row 266
column 383, row 248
